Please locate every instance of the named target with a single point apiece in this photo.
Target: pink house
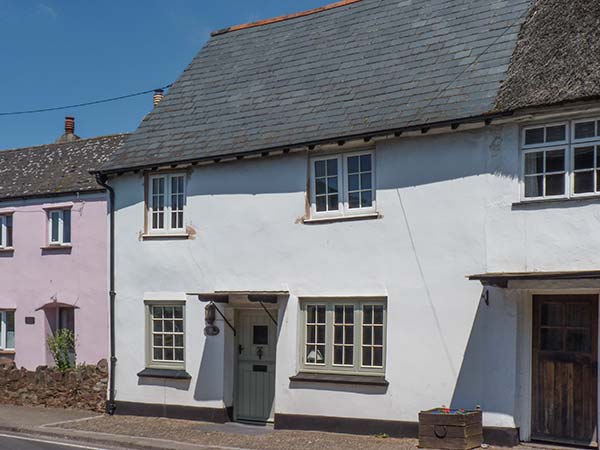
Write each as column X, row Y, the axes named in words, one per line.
column 53, row 248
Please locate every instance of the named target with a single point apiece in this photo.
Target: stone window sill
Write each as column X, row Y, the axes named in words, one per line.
column 57, row 247
column 150, row 236
column 555, row 201
column 7, row 249
column 362, row 380
column 172, row 374
column 318, row 220
column 7, row 352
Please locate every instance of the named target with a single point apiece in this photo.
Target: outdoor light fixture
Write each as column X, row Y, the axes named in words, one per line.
column 210, row 315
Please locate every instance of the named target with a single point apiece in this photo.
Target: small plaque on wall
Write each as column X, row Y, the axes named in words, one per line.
column 29, row 320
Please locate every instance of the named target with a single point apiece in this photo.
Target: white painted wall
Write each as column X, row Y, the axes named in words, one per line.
column 446, row 202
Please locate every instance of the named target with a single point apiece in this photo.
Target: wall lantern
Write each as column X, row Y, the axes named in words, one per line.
column 210, row 315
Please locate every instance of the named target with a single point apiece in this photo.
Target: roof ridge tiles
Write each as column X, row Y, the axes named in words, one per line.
column 58, row 144
column 277, row 19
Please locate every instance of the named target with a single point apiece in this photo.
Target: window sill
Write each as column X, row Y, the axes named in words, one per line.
column 314, row 221
column 152, row 236
column 362, row 380
column 57, row 247
column 7, row 249
column 551, row 201
column 8, row 352
column 172, row 374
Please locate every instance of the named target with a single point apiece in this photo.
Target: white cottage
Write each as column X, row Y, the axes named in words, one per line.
column 339, row 218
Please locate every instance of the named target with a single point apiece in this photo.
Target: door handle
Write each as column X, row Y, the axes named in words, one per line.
column 240, row 349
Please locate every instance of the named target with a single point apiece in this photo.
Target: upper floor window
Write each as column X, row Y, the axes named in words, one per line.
column 59, row 227
column 342, row 184
column 166, row 202
column 561, row 160
column 345, row 335
column 6, row 231
column 7, row 330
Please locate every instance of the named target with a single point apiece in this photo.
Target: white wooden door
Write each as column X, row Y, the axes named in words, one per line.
column 255, row 381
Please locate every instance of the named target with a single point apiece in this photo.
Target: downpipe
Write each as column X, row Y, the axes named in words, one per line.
column 102, row 181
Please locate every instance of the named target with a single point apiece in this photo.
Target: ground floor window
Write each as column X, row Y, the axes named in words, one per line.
column 166, row 335
column 7, row 330
column 345, row 335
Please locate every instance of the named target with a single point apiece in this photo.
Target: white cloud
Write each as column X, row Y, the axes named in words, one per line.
column 46, row 10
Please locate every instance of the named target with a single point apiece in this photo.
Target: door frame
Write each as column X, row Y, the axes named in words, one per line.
column 237, row 322
column 524, row 390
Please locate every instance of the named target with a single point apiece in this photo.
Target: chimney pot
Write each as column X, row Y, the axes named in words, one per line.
column 69, row 125
column 158, row 96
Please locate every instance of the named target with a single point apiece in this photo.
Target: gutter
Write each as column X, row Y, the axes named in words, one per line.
column 110, row 404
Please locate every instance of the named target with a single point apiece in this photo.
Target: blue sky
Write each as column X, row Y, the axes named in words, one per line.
column 61, row 52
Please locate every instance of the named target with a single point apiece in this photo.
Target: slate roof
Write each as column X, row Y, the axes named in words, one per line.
column 367, row 66
column 557, row 58
column 53, row 169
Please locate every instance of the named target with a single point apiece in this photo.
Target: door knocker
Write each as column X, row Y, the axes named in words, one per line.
column 259, row 352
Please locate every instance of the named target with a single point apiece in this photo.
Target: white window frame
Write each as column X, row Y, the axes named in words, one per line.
column 570, row 145
column 546, row 149
column 4, row 231
column 3, row 330
column 61, row 227
column 168, row 204
column 545, row 126
column 163, row 364
column 344, row 209
column 357, row 367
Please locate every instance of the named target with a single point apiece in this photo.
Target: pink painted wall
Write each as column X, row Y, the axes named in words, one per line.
column 31, row 276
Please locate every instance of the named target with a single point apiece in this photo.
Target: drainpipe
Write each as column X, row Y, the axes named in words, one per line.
column 110, row 405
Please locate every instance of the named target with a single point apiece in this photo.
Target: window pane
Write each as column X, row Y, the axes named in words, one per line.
column 584, row 158
column 585, row 130
column 66, row 226
column 365, row 181
column 348, row 355
column 366, row 199
column 534, row 136
column 338, row 355
column 551, row 339
column 555, row 133
column 555, row 184
column 367, row 335
column 260, row 335
column 178, row 312
column 578, row 315
column 321, row 186
column 353, row 183
column 552, row 314
column 157, row 354
column 534, row 186
column 555, row 161
column 332, row 185
column 157, row 326
column 332, row 167
column 321, row 203
column 320, row 169
column 179, row 354
column 321, row 313
column 365, row 163
column 367, row 360
column 354, row 200
column 353, row 164
column 157, row 312
column 378, row 357
column 9, row 231
column 578, row 341
column 169, row 354
column 10, row 329
column 158, row 340
column 333, row 202
column 54, row 223
column 178, row 340
column 584, row 182
column 534, row 163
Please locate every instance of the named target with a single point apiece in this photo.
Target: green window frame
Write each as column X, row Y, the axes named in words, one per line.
column 165, row 334
column 343, row 335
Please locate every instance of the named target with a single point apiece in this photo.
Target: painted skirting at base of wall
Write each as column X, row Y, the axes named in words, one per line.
column 217, row 415
column 491, row 435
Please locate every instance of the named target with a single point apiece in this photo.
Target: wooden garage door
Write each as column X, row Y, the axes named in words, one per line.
column 565, row 368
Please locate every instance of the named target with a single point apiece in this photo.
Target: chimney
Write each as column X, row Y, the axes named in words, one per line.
column 158, row 96
column 69, row 125
column 69, row 135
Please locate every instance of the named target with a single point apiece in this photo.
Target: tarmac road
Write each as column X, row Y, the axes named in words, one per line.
column 10, row 442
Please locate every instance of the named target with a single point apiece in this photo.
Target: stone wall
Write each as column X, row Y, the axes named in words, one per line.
column 80, row 388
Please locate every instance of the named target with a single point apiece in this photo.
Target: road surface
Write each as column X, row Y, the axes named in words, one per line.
column 11, row 442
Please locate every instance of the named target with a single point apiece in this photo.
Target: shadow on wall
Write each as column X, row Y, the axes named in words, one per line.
column 399, row 164
column 182, row 385
column 209, row 381
column 488, row 372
